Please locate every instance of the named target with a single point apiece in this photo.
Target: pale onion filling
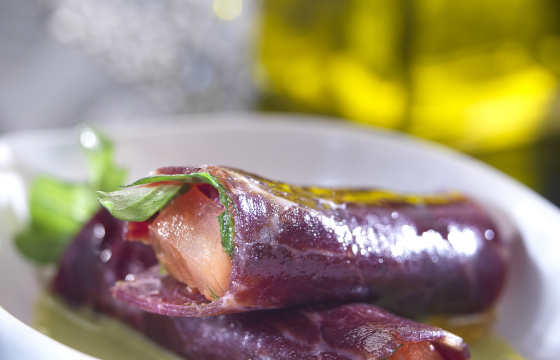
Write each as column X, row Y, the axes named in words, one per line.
column 416, row 351
column 187, row 240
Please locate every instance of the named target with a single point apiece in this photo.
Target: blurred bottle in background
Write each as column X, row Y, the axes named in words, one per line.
column 478, row 75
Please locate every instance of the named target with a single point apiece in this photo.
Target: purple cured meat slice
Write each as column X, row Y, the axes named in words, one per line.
column 349, row 332
column 334, row 332
column 295, row 246
column 96, row 259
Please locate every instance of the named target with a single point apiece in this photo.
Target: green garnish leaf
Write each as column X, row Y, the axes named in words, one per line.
column 58, row 210
column 57, row 207
column 39, row 247
column 226, row 230
column 104, row 174
column 137, row 204
column 213, row 294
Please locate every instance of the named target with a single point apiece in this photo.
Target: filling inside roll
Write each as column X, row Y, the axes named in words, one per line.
column 416, row 351
column 187, row 241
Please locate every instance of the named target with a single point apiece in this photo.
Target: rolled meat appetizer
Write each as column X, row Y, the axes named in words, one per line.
column 334, row 332
column 241, row 242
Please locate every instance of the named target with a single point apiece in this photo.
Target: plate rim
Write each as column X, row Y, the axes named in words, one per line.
column 254, row 120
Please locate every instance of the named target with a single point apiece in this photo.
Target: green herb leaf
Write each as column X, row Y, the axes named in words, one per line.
column 226, row 230
column 58, row 210
column 41, row 248
column 137, row 203
column 127, row 204
column 212, row 293
column 58, row 207
column 104, row 174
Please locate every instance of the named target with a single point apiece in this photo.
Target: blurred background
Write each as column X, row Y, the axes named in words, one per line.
column 480, row 76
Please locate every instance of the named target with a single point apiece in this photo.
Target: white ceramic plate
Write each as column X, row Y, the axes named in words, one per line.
column 295, row 149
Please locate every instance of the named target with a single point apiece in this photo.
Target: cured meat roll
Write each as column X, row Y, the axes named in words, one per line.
column 241, row 242
column 334, row 332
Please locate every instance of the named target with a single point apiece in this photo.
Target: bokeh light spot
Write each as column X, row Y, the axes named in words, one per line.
column 228, row 9
column 88, row 138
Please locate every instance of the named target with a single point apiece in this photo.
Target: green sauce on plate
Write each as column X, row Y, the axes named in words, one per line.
column 93, row 334
column 108, row 339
